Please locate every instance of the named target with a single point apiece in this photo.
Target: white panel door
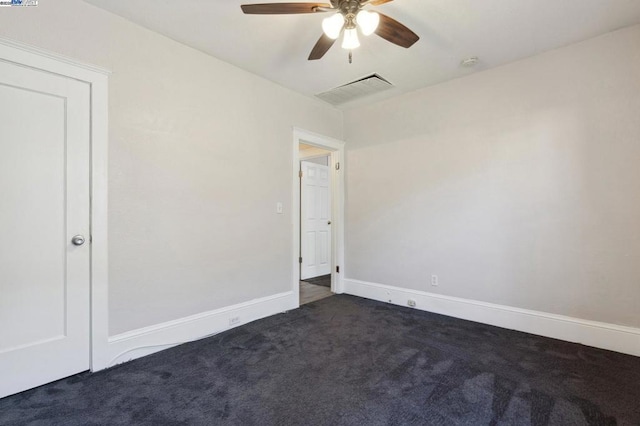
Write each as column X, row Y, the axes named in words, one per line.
column 44, row 203
column 315, row 220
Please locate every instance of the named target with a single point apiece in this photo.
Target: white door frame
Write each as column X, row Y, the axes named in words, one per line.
column 97, row 78
column 337, row 158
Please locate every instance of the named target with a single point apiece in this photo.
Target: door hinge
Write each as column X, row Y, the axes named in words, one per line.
column 337, row 166
column 300, row 174
column 300, row 260
column 337, row 269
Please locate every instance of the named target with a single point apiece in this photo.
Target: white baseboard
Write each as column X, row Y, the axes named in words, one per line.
column 145, row 341
column 591, row 333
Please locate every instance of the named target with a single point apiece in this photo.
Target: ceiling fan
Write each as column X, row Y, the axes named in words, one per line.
column 348, row 16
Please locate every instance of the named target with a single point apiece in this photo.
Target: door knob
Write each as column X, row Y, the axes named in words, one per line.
column 77, row 240
column 329, row 223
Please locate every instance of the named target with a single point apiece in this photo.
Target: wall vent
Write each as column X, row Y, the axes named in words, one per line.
column 365, row 86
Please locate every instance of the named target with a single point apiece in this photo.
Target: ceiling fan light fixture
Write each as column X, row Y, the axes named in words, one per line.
column 368, row 21
column 332, row 26
column 345, row 18
column 350, row 40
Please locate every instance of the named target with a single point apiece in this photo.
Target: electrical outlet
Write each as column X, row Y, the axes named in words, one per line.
column 434, row 280
column 411, row 303
column 234, row 321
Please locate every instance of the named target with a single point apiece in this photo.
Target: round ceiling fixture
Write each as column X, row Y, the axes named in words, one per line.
column 470, row 62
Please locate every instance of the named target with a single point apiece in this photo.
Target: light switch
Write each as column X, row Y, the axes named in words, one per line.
column 279, row 207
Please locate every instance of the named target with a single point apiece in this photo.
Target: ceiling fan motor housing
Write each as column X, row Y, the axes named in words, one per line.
column 349, row 9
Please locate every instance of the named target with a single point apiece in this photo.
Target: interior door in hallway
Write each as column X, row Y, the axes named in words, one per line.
column 45, row 203
column 315, row 212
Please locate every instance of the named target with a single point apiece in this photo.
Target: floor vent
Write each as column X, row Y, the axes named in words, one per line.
column 356, row 89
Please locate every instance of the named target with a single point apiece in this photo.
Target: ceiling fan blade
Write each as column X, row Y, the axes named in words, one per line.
column 284, row 8
column 393, row 31
column 379, row 2
column 322, row 46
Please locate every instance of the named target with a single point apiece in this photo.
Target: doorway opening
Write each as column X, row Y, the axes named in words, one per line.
column 318, row 216
column 315, row 223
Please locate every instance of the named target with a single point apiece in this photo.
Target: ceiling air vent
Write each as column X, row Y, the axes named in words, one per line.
column 356, row 89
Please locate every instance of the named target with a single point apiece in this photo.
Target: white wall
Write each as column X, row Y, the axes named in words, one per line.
column 518, row 186
column 200, row 152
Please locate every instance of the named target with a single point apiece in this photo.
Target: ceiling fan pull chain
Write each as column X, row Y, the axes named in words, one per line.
column 350, row 56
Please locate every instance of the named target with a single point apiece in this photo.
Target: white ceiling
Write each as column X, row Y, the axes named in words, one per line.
column 276, row 47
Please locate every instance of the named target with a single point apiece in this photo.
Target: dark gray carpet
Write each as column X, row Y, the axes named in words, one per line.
column 350, row 361
column 323, row 280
